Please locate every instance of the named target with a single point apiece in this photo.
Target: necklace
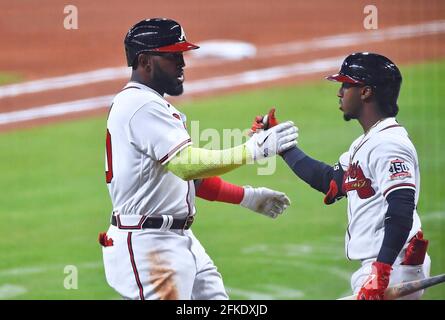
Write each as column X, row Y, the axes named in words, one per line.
column 362, row 141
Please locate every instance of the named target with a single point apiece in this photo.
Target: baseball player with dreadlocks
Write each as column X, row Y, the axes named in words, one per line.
column 379, row 175
column 153, row 175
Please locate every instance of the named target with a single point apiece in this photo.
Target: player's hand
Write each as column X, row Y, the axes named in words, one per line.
column 269, row 202
column 276, row 140
column 263, row 122
column 377, row 282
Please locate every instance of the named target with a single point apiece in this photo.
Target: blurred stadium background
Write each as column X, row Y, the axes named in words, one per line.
column 56, row 85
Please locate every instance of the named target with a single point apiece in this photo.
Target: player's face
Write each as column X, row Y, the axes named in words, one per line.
column 350, row 101
column 168, row 73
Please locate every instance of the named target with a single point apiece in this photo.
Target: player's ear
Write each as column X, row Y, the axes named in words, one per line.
column 145, row 61
column 366, row 92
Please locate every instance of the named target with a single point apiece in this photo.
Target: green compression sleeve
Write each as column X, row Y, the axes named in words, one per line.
column 195, row 163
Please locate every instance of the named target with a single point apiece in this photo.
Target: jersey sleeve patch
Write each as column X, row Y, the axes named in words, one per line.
column 399, row 169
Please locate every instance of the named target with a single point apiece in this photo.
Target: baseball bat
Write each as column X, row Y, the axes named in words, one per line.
column 406, row 288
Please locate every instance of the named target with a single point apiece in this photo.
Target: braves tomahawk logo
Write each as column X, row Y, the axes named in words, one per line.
column 354, row 179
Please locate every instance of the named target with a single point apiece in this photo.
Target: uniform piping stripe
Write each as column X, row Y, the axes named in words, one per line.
column 135, row 270
column 392, row 126
column 187, row 199
column 168, row 155
column 130, row 87
column 398, row 186
column 356, row 150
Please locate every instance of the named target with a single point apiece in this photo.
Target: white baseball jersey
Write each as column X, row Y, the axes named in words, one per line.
column 377, row 163
column 144, row 133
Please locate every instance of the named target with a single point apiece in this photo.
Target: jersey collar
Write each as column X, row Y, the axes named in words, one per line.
column 377, row 127
column 382, row 125
column 141, row 86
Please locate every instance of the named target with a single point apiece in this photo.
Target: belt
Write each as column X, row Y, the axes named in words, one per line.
column 157, row 222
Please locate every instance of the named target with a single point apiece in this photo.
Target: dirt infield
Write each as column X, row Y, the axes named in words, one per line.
column 38, row 46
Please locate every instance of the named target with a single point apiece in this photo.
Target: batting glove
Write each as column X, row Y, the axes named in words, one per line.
column 375, row 286
column 276, row 140
column 268, row 202
column 264, row 122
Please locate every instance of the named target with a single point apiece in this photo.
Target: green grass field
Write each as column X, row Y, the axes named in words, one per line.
column 54, row 199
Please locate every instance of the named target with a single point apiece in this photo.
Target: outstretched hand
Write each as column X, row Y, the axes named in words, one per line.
column 268, row 143
column 264, row 122
column 268, row 202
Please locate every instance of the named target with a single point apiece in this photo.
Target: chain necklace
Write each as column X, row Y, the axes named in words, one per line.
column 362, row 141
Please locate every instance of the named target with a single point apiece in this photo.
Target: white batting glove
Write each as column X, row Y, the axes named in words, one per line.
column 268, row 202
column 268, row 143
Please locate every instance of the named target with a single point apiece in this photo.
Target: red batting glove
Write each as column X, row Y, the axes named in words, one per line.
column 269, row 120
column 266, row 122
column 375, row 286
column 257, row 124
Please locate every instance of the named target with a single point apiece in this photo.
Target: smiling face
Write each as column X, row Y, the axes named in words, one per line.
column 168, row 73
column 351, row 102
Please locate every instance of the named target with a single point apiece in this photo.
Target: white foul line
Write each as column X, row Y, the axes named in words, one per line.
column 350, row 39
column 193, row 87
column 54, row 110
column 334, row 41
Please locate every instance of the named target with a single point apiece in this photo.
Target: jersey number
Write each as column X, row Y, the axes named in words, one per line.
column 109, row 159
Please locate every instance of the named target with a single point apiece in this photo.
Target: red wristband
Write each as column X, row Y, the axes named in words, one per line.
column 216, row 189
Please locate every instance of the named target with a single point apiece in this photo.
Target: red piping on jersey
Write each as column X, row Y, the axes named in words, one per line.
column 397, row 186
column 168, row 155
column 135, row 270
column 189, row 209
column 391, row 126
column 131, row 87
column 109, row 150
column 355, row 151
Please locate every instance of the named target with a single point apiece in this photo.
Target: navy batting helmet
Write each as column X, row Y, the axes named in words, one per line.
column 377, row 71
column 155, row 35
column 368, row 69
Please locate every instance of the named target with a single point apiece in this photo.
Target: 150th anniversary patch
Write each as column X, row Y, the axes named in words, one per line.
column 399, row 170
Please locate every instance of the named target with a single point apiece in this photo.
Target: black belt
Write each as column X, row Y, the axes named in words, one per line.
column 156, row 223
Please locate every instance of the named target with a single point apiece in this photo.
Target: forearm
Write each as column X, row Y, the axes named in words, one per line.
column 398, row 223
column 317, row 174
column 216, row 189
column 268, row 202
column 195, row 163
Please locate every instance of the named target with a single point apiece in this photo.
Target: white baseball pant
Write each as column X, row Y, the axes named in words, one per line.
column 154, row 264
column 400, row 273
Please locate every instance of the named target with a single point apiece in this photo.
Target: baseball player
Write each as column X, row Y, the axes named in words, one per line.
column 153, row 175
column 379, row 175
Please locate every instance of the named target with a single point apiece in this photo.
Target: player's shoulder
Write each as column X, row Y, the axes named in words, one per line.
column 392, row 138
column 393, row 133
column 137, row 94
column 134, row 97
